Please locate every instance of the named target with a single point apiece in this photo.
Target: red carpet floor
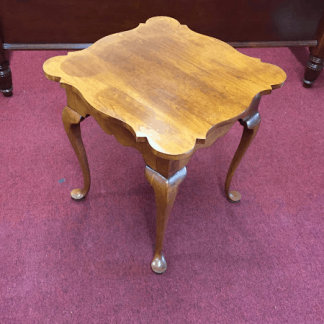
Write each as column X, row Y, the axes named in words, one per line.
column 258, row 261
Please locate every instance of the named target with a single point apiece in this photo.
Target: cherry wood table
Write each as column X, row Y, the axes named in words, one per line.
column 167, row 91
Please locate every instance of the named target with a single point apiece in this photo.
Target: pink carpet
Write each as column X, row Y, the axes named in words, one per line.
column 258, row 261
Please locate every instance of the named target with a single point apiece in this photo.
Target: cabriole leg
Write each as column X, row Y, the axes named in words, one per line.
column 165, row 194
column 71, row 121
column 251, row 126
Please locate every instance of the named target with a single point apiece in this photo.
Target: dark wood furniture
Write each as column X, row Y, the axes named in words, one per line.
column 5, row 73
column 167, row 91
column 315, row 62
column 75, row 24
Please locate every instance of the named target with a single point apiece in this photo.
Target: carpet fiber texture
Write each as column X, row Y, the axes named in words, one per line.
column 258, row 261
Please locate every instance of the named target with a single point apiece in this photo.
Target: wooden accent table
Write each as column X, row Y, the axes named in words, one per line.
column 167, row 91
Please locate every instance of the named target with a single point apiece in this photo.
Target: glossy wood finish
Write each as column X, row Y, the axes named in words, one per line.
column 313, row 69
column 315, row 62
column 139, row 80
column 167, row 91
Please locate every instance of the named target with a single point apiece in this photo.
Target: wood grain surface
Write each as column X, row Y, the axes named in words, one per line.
column 166, row 83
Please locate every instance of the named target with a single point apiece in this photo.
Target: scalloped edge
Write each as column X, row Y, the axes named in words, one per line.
column 143, row 139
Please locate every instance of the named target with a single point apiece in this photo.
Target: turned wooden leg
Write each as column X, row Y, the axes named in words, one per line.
column 165, row 194
column 251, row 126
column 5, row 73
column 313, row 69
column 316, row 58
column 5, row 79
column 71, row 121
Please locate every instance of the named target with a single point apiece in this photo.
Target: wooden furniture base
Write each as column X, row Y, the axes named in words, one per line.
column 5, row 74
column 166, row 91
column 251, row 125
column 315, row 61
column 71, row 122
column 313, row 70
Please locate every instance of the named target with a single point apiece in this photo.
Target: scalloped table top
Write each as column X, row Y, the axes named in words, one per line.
column 165, row 82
